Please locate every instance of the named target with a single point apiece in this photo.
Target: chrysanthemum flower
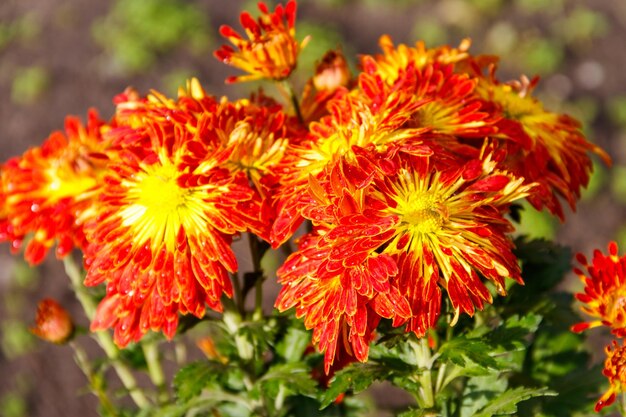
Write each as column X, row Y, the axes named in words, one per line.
column 343, row 305
column 375, row 114
column 49, row 191
column 179, row 189
column 271, row 50
column 424, row 223
column 394, row 59
column 615, row 371
column 548, row 148
column 604, row 296
column 449, row 104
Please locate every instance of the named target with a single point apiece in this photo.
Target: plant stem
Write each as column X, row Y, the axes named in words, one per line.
column 103, row 338
column 424, row 360
column 155, row 370
column 96, row 387
column 290, row 92
column 258, row 271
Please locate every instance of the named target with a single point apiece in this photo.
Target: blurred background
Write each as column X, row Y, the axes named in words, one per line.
column 60, row 57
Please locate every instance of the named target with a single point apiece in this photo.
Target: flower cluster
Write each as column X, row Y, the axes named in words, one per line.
column 404, row 173
column 604, row 299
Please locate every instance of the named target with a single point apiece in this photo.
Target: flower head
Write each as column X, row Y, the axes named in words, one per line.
column 271, row 50
column 604, row 296
column 52, row 323
column 48, row 193
column 541, row 146
column 170, row 208
column 615, row 371
column 388, row 241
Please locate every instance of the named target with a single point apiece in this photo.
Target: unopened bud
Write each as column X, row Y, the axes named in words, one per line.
column 52, row 323
column 332, row 72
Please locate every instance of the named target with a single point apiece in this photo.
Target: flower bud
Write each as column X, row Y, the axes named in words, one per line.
column 52, row 323
column 332, row 72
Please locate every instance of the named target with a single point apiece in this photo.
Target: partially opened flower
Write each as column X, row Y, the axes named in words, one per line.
column 604, row 296
column 615, row 371
column 541, row 146
column 170, row 208
column 49, row 192
column 53, row 323
column 271, row 50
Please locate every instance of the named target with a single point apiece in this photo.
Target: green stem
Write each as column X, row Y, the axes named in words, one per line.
column 258, row 271
column 103, row 338
column 155, row 370
column 96, row 386
column 294, row 99
column 238, row 295
column 424, row 362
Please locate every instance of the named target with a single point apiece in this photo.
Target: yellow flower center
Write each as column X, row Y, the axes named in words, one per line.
column 422, row 213
column 158, row 206
column 160, row 191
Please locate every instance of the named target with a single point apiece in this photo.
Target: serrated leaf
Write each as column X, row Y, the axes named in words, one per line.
column 479, row 391
column 512, row 335
column 356, row 377
column 191, row 379
column 461, row 349
column 295, row 377
column 506, row 403
column 294, row 344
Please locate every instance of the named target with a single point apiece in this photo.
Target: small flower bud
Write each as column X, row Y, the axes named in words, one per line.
column 52, row 323
column 332, row 72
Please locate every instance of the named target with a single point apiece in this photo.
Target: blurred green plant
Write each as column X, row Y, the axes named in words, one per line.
column 29, row 84
column 22, row 30
column 135, row 32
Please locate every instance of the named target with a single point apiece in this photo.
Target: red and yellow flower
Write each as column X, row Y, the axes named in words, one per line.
column 171, row 205
column 615, row 371
column 604, row 296
column 49, row 192
column 271, row 50
column 387, row 241
column 541, row 146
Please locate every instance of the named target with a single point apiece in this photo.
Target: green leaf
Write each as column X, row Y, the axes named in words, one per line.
column 294, row 377
column 513, row 333
column 414, row 412
column 461, row 349
column 479, row 391
column 356, row 377
column 293, row 345
column 506, row 403
column 190, row 380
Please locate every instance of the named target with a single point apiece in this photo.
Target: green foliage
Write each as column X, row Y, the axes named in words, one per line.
column 136, row 32
column 506, row 403
column 29, row 84
column 355, row 378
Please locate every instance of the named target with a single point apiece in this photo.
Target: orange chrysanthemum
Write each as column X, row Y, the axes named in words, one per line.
column 547, row 148
column 389, row 239
column 615, row 371
column 394, row 59
column 170, row 206
column 271, row 50
column 49, row 191
column 604, row 295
